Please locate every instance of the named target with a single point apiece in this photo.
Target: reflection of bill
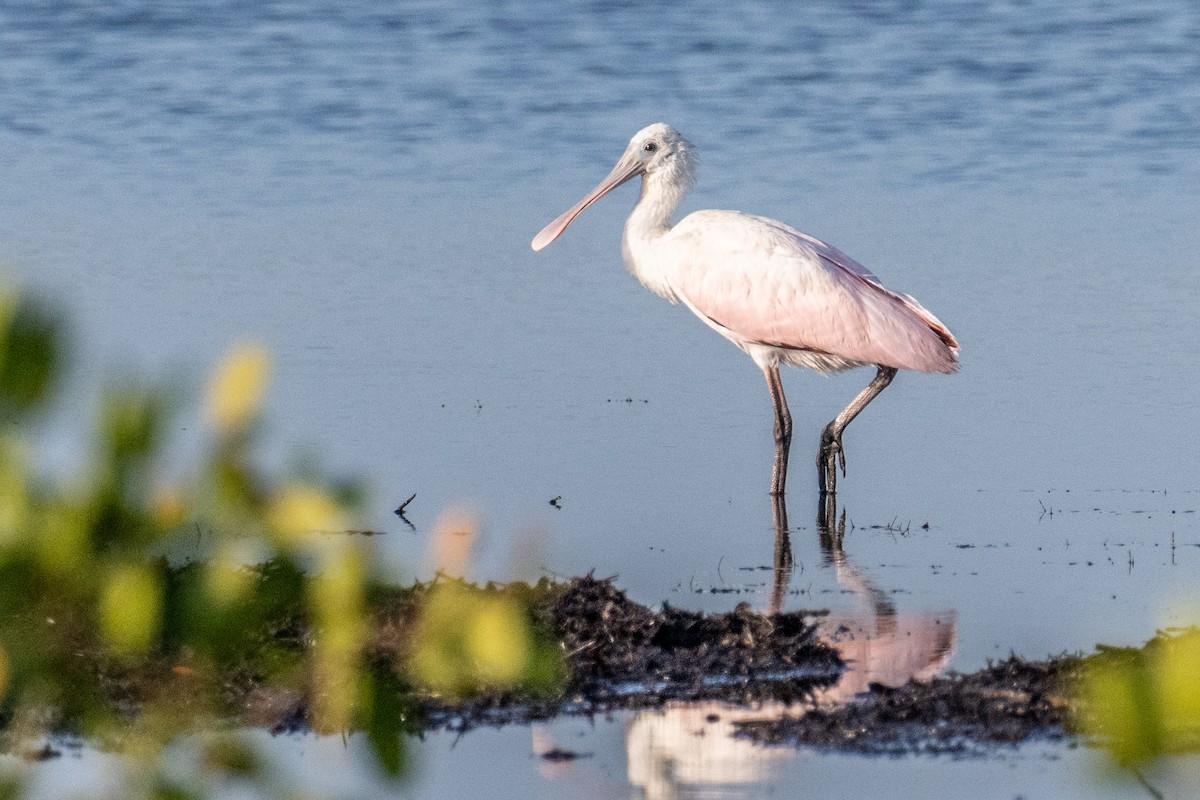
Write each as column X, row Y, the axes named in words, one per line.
column 691, row 745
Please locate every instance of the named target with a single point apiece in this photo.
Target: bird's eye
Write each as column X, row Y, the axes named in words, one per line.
column 650, row 147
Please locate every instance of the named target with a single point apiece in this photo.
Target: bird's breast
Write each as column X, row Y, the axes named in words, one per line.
column 652, row 264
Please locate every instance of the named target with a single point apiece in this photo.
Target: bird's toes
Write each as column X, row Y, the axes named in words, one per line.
column 830, row 452
column 828, row 458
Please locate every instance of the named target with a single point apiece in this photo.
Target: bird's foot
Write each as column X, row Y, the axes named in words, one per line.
column 829, row 457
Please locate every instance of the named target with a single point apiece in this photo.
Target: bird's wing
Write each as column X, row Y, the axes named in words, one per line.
column 767, row 283
column 836, row 258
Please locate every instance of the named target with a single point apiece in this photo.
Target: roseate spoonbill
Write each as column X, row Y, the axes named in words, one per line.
column 778, row 294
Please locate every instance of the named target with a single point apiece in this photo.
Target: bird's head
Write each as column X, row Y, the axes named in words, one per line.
column 657, row 151
column 659, row 148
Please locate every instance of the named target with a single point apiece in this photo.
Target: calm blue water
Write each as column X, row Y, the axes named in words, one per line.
column 356, row 184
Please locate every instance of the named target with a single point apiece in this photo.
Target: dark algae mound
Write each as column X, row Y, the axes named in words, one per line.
column 1006, row 703
column 618, row 654
column 616, row 648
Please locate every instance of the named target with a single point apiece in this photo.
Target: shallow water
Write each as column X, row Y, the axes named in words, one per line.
column 656, row 755
column 357, row 186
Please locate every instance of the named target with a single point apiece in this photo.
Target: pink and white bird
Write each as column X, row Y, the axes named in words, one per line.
column 778, row 294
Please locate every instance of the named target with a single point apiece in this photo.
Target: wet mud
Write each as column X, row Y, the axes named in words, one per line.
column 620, row 655
column 617, row 649
column 1007, row 703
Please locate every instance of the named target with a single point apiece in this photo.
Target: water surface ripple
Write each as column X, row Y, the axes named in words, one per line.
column 964, row 90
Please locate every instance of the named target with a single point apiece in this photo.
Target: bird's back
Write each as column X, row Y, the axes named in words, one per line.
column 764, row 284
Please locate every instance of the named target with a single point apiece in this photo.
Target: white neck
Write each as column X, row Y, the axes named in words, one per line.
column 651, row 220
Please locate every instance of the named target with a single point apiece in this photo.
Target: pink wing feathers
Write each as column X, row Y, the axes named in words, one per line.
column 762, row 282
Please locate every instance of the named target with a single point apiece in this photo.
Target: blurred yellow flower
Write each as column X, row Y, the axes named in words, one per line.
column 497, row 643
column 1177, row 680
column 131, row 607
column 467, row 639
column 63, row 544
column 297, row 511
column 235, row 391
column 1143, row 703
column 336, row 599
column 227, row 577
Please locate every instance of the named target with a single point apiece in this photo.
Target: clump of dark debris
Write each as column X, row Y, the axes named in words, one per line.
column 619, row 654
column 1006, row 703
column 616, row 648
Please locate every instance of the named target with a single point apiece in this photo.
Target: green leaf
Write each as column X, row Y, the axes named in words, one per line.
column 30, row 356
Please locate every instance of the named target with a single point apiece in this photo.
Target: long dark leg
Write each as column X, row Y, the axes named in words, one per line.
column 783, row 429
column 831, row 438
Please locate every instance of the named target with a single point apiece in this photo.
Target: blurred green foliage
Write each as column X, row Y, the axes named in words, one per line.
column 1141, row 703
column 30, row 355
column 103, row 638
column 470, row 640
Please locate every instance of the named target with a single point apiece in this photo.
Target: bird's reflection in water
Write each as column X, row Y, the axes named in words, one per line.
column 879, row 644
column 688, row 747
column 783, row 563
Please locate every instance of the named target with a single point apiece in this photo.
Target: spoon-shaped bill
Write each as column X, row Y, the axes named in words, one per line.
column 625, row 169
